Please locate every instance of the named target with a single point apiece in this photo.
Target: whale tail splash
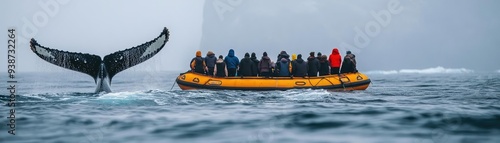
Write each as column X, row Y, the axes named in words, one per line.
column 102, row 70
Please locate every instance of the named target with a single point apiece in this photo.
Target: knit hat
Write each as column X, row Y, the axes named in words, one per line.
column 299, row 56
column 348, row 52
column 319, row 54
column 198, row 53
column 265, row 54
column 247, row 55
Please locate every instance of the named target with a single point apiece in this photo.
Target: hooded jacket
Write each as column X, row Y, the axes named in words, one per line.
column 283, row 54
column 324, row 66
column 255, row 62
column 335, row 58
column 294, row 57
column 265, row 64
column 299, row 67
column 232, row 62
column 247, row 67
column 313, row 66
column 284, row 67
column 210, row 59
column 349, row 64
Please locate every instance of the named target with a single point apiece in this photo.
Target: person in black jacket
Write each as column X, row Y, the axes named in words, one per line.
column 255, row 62
column 313, row 65
column 299, row 67
column 246, row 66
column 210, row 60
column 324, row 66
column 349, row 64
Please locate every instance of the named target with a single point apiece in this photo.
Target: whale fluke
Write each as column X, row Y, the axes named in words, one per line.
column 96, row 67
column 85, row 63
column 121, row 60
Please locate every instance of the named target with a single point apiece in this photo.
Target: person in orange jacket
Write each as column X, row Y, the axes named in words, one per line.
column 335, row 61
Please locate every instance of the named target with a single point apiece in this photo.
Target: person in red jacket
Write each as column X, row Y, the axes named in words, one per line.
column 335, row 61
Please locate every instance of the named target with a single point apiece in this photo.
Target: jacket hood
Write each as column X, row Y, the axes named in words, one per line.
column 299, row 61
column 283, row 60
column 311, row 58
column 210, row 54
column 231, row 53
column 335, row 51
column 265, row 58
column 294, row 57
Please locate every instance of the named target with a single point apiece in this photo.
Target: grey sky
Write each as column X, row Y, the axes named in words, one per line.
column 425, row 33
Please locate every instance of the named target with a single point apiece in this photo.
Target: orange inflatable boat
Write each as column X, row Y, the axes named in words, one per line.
column 349, row 81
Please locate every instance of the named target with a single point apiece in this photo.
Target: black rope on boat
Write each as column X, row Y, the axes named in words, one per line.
column 173, row 86
column 330, row 82
column 309, row 79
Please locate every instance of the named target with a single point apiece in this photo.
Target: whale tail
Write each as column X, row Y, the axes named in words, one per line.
column 91, row 64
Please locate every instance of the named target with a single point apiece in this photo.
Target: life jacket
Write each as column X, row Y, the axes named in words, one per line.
column 198, row 67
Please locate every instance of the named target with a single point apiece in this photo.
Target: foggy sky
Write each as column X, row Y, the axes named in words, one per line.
column 428, row 33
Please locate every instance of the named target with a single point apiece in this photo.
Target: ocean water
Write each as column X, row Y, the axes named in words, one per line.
column 398, row 107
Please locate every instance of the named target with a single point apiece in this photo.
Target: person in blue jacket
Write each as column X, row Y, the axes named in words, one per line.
column 232, row 63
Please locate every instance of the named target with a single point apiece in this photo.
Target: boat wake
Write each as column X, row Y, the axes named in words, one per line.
column 435, row 70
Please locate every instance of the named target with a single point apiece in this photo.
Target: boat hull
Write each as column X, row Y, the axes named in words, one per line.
column 351, row 81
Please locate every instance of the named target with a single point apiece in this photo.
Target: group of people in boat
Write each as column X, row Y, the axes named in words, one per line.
column 231, row 66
